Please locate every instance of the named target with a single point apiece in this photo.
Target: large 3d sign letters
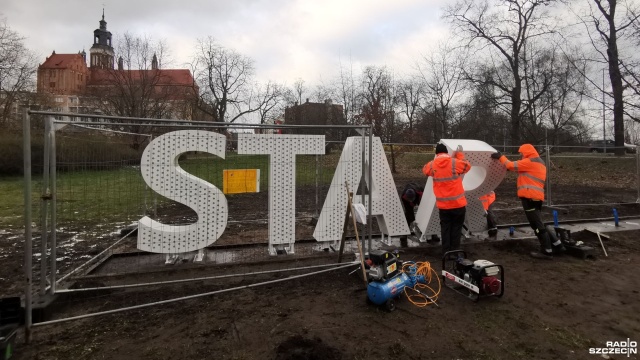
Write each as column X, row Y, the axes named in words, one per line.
column 161, row 171
column 485, row 175
column 386, row 206
column 282, row 179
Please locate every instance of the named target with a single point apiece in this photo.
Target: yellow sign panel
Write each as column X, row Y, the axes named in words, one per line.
column 241, row 181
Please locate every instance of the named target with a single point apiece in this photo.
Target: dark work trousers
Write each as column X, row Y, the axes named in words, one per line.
column 409, row 214
column 492, row 224
column 451, row 221
column 533, row 208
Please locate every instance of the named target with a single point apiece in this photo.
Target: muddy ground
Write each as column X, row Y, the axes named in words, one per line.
column 551, row 309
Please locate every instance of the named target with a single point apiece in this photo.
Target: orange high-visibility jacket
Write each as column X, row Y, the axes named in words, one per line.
column 532, row 172
column 487, row 200
column 447, row 179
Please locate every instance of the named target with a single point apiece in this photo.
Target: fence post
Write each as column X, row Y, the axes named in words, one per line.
column 28, row 246
column 362, row 185
column 548, row 175
column 315, row 211
column 44, row 204
column 638, row 171
column 153, row 193
column 370, row 195
column 52, row 167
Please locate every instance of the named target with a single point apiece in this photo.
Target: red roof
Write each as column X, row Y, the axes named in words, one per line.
column 176, row 77
column 61, row 61
column 164, row 77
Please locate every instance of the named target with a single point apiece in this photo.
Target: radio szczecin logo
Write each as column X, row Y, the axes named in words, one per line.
column 627, row 347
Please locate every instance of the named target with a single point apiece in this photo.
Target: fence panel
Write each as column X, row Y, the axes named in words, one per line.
column 89, row 203
column 98, row 194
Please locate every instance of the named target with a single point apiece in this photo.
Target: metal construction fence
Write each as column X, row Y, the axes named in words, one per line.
column 107, row 188
column 101, row 176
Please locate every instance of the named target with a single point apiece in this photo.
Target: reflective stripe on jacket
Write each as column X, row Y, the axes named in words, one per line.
column 447, row 180
column 487, row 200
column 532, row 173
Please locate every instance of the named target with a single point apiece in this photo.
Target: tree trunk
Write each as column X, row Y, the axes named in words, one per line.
column 393, row 160
column 516, row 104
column 616, row 86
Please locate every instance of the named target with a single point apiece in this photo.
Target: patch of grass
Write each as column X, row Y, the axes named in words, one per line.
column 593, row 170
column 103, row 196
column 117, row 193
column 570, row 338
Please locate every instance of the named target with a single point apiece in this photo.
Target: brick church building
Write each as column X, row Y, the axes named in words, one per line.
column 81, row 88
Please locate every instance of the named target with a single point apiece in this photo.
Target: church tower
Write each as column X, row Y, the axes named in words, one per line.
column 101, row 53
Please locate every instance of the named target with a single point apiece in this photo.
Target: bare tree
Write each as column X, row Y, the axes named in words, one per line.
column 133, row 88
column 561, row 108
column 299, row 89
column 410, row 97
column 226, row 80
column 345, row 91
column 378, row 100
column 17, row 69
column 503, row 27
column 321, row 93
column 614, row 21
column 443, row 76
column 138, row 87
column 375, row 94
column 479, row 117
column 271, row 96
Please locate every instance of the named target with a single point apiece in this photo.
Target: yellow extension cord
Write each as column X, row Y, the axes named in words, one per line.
column 418, row 298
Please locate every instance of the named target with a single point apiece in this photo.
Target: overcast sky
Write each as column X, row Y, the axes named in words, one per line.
column 287, row 39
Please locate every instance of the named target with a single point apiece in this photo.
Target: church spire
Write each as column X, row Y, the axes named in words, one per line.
column 102, row 51
column 103, row 23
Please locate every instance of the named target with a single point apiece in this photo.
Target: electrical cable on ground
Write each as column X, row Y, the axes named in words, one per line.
column 422, row 293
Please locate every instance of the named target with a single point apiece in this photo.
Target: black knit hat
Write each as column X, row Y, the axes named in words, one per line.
column 410, row 195
column 441, row 148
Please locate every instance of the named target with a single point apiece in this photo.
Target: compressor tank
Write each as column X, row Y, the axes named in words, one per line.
column 381, row 291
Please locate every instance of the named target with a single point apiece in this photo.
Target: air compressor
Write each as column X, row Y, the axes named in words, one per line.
column 389, row 277
column 480, row 278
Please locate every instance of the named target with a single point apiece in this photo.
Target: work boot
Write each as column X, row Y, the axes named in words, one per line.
column 559, row 250
column 493, row 232
column 541, row 255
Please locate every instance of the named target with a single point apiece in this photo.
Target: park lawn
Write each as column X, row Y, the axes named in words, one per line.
column 119, row 194
column 12, row 200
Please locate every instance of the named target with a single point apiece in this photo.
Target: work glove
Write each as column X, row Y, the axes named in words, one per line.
column 496, row 155
column 458, row 153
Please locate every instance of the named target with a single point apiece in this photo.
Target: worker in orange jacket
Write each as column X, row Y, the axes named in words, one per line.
column 487, row 203
column 447, row 172
column 532, row 174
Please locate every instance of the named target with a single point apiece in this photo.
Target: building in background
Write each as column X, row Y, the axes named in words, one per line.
column 325, row 113
column 63, row 74
column 99, row 87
